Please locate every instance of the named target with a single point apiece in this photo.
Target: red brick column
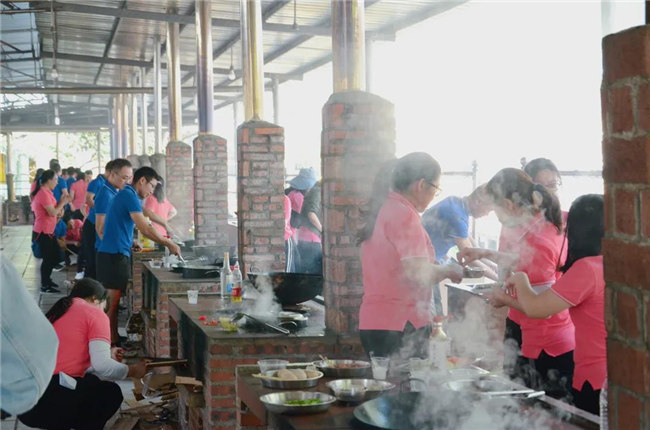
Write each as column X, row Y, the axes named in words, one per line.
column 626, row 248
column 179, row 186
column 358, row 136
column 210, row 191
column 260, row 195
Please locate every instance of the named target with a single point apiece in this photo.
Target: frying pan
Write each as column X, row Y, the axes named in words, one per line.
column 289, row 288
column 196, row 271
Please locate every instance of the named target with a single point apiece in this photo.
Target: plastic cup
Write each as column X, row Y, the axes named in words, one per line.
column 379, row 367
column 192, row 297
column 271, row 364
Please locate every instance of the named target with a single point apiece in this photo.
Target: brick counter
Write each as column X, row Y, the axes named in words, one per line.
column 134, row 296
column 213, row 355
column 157, row 285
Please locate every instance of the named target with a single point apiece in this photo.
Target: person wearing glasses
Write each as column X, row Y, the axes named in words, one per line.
column 113, row 256
column 120, row 175
column 533, row 243
column 447, row 224
column 581, row 290
column 543, row 171
column 398, row 261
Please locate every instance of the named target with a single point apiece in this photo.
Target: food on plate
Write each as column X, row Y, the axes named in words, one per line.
column 299, row 373
column 336, row 365
column 304, row 402
column 227, row 324
column 286, row 374
column 312, row 373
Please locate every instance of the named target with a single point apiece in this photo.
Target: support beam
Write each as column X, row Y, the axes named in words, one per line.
column 174, row 80
column 204, row 66
column 133, row 124
column 107, row 90
column 276, row 101
column 143, row 114
column 348, row 45
column 253, row 59
column 108, row 46
column 157, row 95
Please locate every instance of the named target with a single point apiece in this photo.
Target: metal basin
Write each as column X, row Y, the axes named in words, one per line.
column 277, row 402
column 289, row 288
column 288, row 384
column 343, row 368
column 356, row 390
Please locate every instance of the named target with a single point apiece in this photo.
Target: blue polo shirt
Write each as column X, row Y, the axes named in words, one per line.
column 93, row 187
column 103, row 200
column 445, row 222
column 58, row 190
column 61, row 229
column 71, row 180
column 118, row 227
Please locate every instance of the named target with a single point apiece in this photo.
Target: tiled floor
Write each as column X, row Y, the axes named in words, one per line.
column 15, row 243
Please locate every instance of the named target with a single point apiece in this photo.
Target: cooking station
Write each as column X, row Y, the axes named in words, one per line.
column 547, row 412
column 213, row 353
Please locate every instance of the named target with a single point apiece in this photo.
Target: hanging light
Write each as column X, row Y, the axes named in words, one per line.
column 295, row 20
column 54, row 73
column 231, row 72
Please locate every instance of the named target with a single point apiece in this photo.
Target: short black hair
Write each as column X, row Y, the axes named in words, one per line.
column 119, row 163
column 71, row 170
column 52, row 162
column 108, row 166
column 533, row 167
column 88, row 172
column 146, row 172
column 56, row 167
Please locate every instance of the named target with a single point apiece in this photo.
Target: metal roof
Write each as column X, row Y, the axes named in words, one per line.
column 108, row 42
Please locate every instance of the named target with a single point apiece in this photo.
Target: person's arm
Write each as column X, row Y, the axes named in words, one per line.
column 54, row 210
column 464, row 243
column 313, row 218
column 535, row 305
column 72, row 206
column 154, row 217
column 104, row 366
column 150, row 231
column 99, row 224
column 90, row 199
column 172, row 213
column 468, row 255
column 422, row 272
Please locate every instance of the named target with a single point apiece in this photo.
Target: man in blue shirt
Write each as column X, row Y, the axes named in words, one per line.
column 121, row 174
column 125, row 212
column 447, row 224
column 86, row 267
column 72, row 176
column 62, row 186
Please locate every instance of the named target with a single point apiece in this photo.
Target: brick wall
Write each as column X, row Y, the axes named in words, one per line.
column 135, row 292
column 260, row 195
column 180, row 187
column 210, row 191
column 358, row 136
column 626, row 248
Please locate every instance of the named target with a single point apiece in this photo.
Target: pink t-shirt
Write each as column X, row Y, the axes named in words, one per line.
column 296, row 198
column 161, row 209
column 583, row 287
column 74, row 234
column 390, row 299
column 32, row 187
column 79, row 188
column 82, row 323
column 43, row 222
column 288, row 231
column 540, row 248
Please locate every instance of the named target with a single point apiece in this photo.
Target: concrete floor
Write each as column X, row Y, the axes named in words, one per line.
column 15, row 243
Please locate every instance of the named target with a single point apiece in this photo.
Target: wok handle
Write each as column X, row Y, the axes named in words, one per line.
column 278, row 329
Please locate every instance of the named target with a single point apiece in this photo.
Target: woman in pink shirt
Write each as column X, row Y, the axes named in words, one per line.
column 533, row 243
column 78, row 190
column 398, row 261
column 161, row 206
column 76, row 396
column 581, row 290
column 45, row 211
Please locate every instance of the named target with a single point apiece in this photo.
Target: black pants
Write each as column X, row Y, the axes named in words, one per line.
column 409, row 343
column 513, row 362
column 51, row 255
column 551, row 374
column 587, row 398
column 311, row 258
column 88, row 249
column 88, row 406
column 77, row 215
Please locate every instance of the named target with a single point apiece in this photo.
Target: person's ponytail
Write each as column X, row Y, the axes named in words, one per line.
column 87, row 288
column 370, row 208
column 45, row 176
column 59, row 309
column 549, row 205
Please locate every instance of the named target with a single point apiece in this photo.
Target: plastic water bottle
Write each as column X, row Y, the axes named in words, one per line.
column 438, row 345
column 604, row 424
column 236, row 293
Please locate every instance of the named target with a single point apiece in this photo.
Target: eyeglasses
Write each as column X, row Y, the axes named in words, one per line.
column 553, row 186
column 438, row 189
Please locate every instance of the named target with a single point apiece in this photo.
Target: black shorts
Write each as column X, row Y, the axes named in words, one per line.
column 113, row 270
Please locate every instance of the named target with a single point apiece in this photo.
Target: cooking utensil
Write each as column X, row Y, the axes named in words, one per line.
column 354, row 390
column 277, row 402
column 334, row 369
column 191, row 271
column 468, row 289
column 164, row 362
column 289, row 288
column 288, row 384
column 473, row 272
column 240, row 315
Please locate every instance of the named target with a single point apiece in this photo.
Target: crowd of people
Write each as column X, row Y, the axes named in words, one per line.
column 548, row 264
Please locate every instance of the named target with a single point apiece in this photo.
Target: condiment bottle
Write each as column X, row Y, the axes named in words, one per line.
column 236, row 293
column 226, row 276
column 438, row 344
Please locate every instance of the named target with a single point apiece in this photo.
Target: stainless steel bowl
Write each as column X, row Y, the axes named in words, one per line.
column 479, row 385
column 356, row 390
column 330, row 368
column 473, row 272
column 277, row 402
column 288, row 384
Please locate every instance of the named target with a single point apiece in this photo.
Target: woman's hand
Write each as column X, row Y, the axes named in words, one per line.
column 468, row 255
column 137, row 370
column 117, row 354
column 498, row 298
column 515, row 281
column 454, row 272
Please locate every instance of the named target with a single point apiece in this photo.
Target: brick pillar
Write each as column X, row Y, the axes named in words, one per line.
column 358, row 136
column 158, row 163
column 210, row 191
column 260, row 195
column 135, row 161
column 626, row 248
column 179, row 186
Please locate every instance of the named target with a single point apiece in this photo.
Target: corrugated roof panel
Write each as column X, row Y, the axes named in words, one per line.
column 308, row 12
